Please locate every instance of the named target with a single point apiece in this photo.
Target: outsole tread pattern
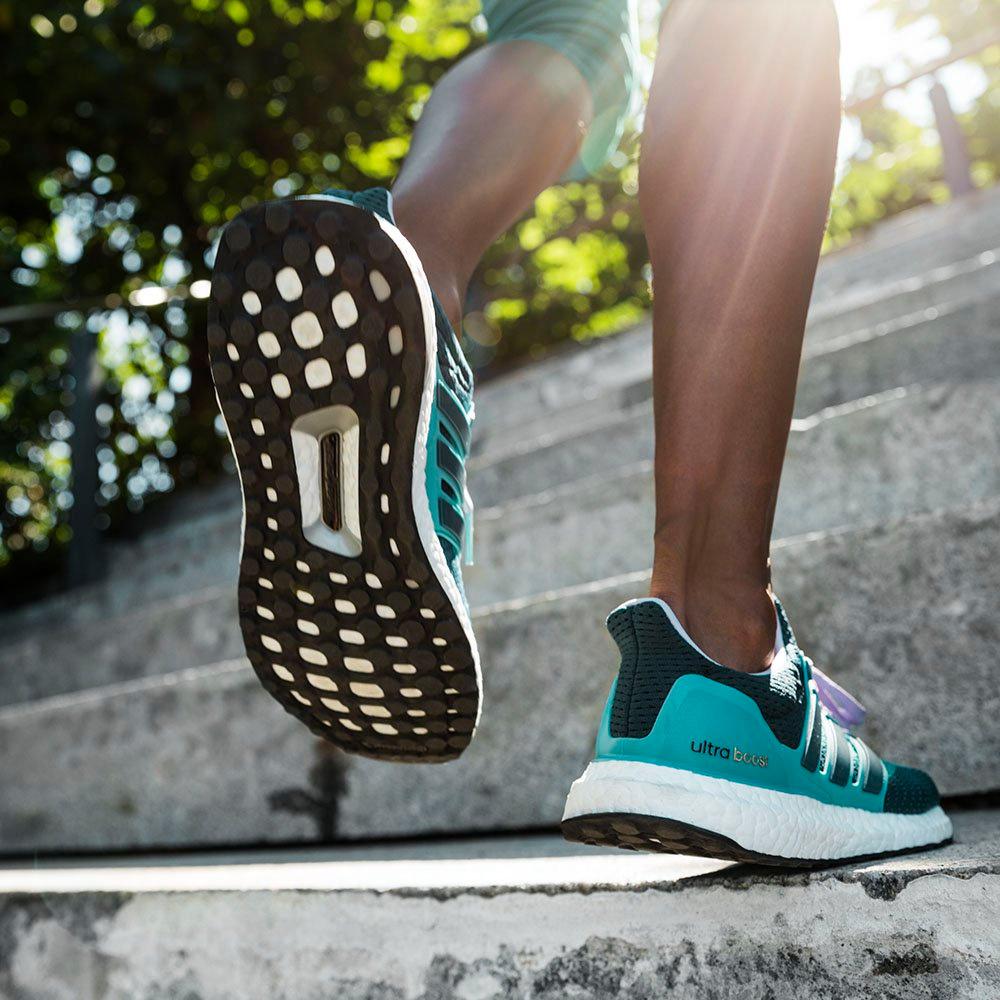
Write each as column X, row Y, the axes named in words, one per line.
column 314, row 306
column 656, row 834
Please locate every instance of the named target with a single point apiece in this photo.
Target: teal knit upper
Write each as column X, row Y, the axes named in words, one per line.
column 449, row 437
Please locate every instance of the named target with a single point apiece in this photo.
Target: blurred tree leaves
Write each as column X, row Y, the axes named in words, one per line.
column 897, row 164
column 132, row 131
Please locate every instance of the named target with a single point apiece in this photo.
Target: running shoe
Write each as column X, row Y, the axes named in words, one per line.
column 348, row 404
column 695, row 758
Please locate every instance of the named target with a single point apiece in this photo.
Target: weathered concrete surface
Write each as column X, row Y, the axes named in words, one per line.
column 204, row 547
column 608, row 440
column 914, row 451
column 902, row 452
column 559, row 395
column 612, row 374
column 950, row 343
column 927, row 257
column 954, row 344
column 904, row 615
column 912, row 243
column 544, row 410
column 569, row 379
column 968, row 280
column 541, row 928
column 159, row 637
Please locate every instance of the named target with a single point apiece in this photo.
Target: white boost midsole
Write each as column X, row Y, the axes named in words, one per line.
column 779, row 824
column 308, row 432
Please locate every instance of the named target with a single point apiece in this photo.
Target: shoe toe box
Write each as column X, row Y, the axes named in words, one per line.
column 910, row 791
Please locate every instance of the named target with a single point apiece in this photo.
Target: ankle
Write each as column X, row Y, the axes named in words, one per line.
column 733, row 624
column 442, row 274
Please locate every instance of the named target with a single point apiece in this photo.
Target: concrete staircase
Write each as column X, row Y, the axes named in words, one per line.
column 130, row 722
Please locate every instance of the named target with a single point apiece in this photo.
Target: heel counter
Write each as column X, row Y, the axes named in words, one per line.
column 653, row 657
column 616, row 714
column 655, row 653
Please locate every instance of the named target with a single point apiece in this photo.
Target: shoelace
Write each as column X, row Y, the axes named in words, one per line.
column 841, row 704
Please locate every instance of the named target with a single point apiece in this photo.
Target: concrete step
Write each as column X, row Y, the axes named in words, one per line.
column 966, row 281
column 553, row 396
column 940, row 255
column 958, row 342
column 191, row 628
column 951, row 342
column 573, row 379
column 955, row 344
column 904, row 615
column 480, row 920
column 561, row 399
column 882, row 458
column 905, row 452
column 913, row 242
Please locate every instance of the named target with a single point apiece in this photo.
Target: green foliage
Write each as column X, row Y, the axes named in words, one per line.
column 898, row 164
column 132, row 132
column 898, row 167
column 958, row 21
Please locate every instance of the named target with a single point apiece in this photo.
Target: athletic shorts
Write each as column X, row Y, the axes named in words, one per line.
column 600, row 37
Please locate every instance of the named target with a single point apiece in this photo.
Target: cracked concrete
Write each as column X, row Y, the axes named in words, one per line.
column 587, row 926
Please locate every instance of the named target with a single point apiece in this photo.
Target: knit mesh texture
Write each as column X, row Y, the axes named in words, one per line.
column 654, row 656
column 910, row 791
column 375, row 200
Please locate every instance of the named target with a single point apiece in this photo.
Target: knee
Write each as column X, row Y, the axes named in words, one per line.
column 810, row 25
column 820, row 25
column 598, row 37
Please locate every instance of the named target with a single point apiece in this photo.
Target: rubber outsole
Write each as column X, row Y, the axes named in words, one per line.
column 314, row 306
column 632, row 832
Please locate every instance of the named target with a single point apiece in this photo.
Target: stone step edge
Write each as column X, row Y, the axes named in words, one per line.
column 638, row 410
column 488, row 866
column 889, row 289
column 917, row 926
column 585, row 484
column 899, row 287
column 583, row 488
column 898, row 324
column 144, row 547
column 823, row 312
column 524, row 446
column 583, row 491
column 917, row 223
column 979, row 509
column 642, row 387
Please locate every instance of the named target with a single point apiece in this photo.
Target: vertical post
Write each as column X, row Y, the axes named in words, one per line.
column 954, row 152
column 85, row 547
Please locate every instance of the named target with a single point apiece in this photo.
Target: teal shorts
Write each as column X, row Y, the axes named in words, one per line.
column 600, row 37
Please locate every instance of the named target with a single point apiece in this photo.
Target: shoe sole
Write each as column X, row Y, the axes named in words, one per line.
column 323, row 348
column 647, row 807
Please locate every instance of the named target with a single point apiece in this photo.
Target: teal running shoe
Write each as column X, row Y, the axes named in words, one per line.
column 348, row 403
column 695, row 758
